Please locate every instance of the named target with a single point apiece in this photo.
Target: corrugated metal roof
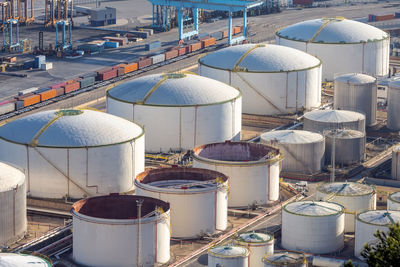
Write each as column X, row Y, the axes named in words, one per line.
column 292, row 136
column 266, row 58
column 174, row 90
column 346, row 189
column 328, row 115
column 70, row 128
column 10, row 177
column 285, row 257
column 229, row 251
column 332, row 30
column 355, row 78
column 18, row 260
column 314, row 208
column 344, row 133
column 380, row 217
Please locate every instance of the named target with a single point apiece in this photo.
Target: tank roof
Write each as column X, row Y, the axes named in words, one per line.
column 174, row 89
column 346, row 189
column 70, row 129
column 260, row 58
column 329, row 115
column 292, row 137
column 344, row 133
column 379, row 217
column 10, row 177
column 355, row 78
column 314, row 208
column 254, row 237
column 332, row 30
column 25, row 260
column 395, row 196
column 229, row 251
column 285, row 258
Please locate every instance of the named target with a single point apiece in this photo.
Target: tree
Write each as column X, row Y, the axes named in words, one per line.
column 348, row 264
column 386, row 251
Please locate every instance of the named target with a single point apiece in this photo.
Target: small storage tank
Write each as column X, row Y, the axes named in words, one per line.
column 285, row 258
column 396, row 163
column 349, row 146
column 253, row 170
column 259, row 245
column 393, row 201
column 106, row 231
column 320, row 120
column 354, row 197
column 13, row 222
column 357, row 92
column 368, row 222
column 74, row 153
column 198, row 198
column 24, row 260
column 179, row 111
column 302, row 151
column 313, row 226
column 231, row 256
column 393, row 109
column 273, row 79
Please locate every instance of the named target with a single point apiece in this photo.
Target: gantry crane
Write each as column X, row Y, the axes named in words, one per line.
column 58, row 10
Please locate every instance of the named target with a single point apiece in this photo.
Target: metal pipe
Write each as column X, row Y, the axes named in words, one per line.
column 139, row 249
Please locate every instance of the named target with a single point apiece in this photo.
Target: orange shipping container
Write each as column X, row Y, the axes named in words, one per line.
column 31, row 100
column 72, row 87
column 131, row 67
column 225, row 34
column 384, row 17
column 195, row 46
column 48, row 94
column 236, row 30
column 171, row 54
column 208, row 42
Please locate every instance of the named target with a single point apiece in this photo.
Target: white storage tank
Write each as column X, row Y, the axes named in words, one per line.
column 357, row 92
column 321, row 120
column 393, row 110
column 285, row 258
column 198, row 198
column 13, row 222
column 259, row 244
column 231, row 256
column 393, row 201
column 396, row 163
column 179, row 111
column 368, row 222
column 74, row 153
column 253, row 170
column 106, row 231
column 302, row 151
column 24, row 260
column 313, row 226
column 349, row 146
column 355, row 198
column 343, row 45
column 273, row 79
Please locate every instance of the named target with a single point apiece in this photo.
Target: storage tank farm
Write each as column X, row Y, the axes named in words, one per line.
column 24, row 260
column 179, row 110
column 233, row 256
column 121, row 231
column 259, row 244
column 393, row 201
column 74, row 153
column 273, row 79
column 343, row 45
column 198, row 198
column 253, row 170
column 354, row 197
column 285, row 258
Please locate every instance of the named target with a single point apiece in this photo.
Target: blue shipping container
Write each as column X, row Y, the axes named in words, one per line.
column 111, row 44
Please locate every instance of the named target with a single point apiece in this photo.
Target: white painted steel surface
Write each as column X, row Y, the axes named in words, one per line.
column 13, row 221
column 393, row 118
column 314, row 227
column 273, row 79
column 74, row 153
column 259, row 245
column 366, row 225
column 393, row 201
column 179, row 111
column 357, row 92
column 228, row 256
column 198, row 198
column 396, row 163
column 355, row 198
column 302, row 151
column 253, row 170
column 343, row 45
column 285, row 258
column 23, row 260
column 106, row 231
column 320, row 120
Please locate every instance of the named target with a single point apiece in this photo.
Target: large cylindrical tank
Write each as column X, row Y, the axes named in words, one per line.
column 285, row 258
column 179, row 111
column 393, row 201
column 357, row 92
column 313, row 226
column 273, row 79
column 343, row 45
column 259, row 244
column 231, row 256
column 393, row 118
column 106, row 231
column 302, row 151
column 24, row 260
column 321, row 120
column 354, row 197
column 198, row 198
column 368, row 222
column 13, row 222
column 74, row 153
column 253, row 170
column 396, row 163
column 349, row 146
